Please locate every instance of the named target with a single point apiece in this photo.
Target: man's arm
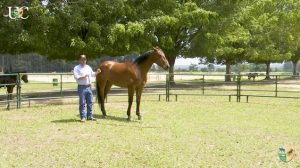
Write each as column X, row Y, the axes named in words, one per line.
column 94, row 74
column 77, row 76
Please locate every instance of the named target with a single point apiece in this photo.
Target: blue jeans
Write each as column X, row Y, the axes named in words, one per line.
column 85, row 97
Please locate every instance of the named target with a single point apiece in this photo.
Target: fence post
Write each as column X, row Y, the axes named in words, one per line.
column 18, row 91
column 203, row 82
column 61, row 85
column 167, row 87
column 276, row 85
column 240, row 84
column 238, row 89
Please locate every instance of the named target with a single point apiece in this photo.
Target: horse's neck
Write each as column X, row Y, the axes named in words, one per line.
column 145, row 67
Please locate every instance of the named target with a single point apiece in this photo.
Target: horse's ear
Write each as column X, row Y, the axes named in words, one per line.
column 154, row 48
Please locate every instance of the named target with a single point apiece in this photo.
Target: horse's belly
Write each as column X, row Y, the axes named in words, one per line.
column 118, row 82
column 129, row 82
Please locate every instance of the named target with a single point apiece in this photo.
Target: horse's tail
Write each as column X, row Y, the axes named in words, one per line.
column 98, row 91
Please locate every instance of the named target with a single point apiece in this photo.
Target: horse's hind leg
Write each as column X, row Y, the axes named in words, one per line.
column 101, row 88
column 138, row 101
column 130, row 100
column 107, row 88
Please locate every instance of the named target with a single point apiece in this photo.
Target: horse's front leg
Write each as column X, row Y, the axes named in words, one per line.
column 139, row 91
column 130, row 100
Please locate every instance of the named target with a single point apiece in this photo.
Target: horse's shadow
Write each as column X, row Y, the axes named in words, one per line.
column 66, row 120
column 97, row 116
column 115, row 118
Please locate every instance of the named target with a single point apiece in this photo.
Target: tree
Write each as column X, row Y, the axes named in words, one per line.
column 287, row 66
column 257, row 67
column 295, row 59
column 292, row 25
column 226, row 39
column 238, row 68
column 173, row 25
column 14, row 37
column 211, row 67
column 120, row 27
column 82, row 27
column 193, row 67
column 268, row 22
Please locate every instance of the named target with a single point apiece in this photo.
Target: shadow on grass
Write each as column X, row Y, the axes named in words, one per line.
column 120, row 119
column 66, row 121
column 124, row 120
column 97, row 116
column 132, row 126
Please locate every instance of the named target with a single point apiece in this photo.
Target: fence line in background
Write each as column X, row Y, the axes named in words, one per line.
column 238, row 83
column 205, row 81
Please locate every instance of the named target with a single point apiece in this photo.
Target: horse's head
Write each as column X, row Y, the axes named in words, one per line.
column 24, row 78
column 160, row 58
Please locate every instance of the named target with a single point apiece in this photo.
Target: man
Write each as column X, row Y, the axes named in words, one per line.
column 83, row 75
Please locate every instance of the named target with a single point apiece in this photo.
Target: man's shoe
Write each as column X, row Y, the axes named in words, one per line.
column 82, row 120
column 92, row 119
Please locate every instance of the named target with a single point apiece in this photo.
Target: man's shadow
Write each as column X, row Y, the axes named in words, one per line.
column 97, row 116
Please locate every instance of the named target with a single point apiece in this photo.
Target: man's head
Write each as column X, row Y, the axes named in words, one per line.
column 82, row 59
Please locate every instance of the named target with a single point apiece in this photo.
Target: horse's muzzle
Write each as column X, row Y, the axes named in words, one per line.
column 166, row 67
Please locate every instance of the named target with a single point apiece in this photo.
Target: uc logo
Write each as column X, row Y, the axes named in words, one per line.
column 17, row 12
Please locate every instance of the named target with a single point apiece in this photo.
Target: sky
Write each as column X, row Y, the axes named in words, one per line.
column 186, row 61
column 189, row 61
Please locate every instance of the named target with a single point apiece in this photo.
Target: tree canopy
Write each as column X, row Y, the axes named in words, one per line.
column 218, row 31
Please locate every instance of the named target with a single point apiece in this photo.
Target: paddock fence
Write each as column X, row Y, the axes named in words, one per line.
column 239, row 87
column 53, row 88
column 44, row 88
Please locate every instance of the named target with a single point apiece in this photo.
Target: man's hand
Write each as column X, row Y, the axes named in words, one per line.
column 83, row 77
column 98, row 71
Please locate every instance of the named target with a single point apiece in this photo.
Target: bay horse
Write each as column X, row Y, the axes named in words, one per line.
column 252, row 75
column 10, row 80
column 131, row 75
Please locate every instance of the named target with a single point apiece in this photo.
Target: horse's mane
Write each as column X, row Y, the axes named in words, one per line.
column 143, row 57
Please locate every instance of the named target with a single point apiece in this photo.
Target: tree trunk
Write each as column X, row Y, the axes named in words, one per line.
column 268, row 71
column 228, row 73
column 295, row 68
column 171, row 69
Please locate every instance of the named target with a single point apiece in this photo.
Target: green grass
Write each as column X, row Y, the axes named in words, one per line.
column 193, row 132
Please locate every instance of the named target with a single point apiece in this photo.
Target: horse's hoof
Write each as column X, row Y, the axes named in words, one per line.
column 140, row 117
column 104, row 116
column 128, row 118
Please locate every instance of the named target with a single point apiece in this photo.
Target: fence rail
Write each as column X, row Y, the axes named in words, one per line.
column 242, row 86
column 43, row 86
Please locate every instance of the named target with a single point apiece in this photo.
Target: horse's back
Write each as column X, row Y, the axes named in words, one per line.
column 114, row 66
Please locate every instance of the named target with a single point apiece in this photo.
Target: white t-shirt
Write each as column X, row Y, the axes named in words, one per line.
column 80, row 71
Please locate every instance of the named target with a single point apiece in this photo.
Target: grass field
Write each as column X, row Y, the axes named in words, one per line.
column 193, row 132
